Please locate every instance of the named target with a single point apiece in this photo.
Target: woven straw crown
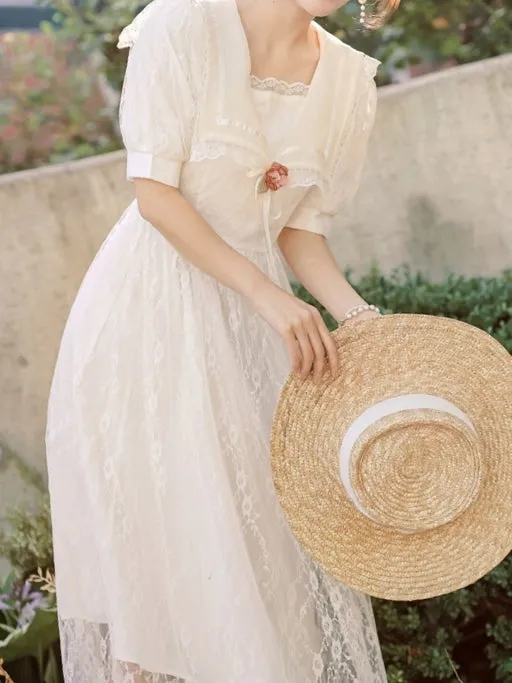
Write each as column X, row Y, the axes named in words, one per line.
column 396, row 475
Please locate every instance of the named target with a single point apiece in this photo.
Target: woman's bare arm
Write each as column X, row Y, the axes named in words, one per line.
column 299, row 324
column 313, row 264
column 172, row 215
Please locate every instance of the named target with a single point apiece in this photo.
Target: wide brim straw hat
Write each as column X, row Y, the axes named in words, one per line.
column 396, row 475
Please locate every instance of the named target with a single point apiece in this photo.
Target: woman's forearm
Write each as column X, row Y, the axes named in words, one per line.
column 313, row 264
column 172, row 215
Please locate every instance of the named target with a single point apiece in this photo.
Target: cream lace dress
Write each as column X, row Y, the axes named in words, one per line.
column 173, row 559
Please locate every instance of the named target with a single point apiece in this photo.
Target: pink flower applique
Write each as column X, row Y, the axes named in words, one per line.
column 276, row 177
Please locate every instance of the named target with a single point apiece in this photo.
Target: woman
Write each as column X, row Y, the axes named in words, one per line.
column 246, row 126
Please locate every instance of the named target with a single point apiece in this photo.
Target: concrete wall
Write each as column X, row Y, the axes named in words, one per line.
column 436, row 191
column 51, row 223
column 436, row 194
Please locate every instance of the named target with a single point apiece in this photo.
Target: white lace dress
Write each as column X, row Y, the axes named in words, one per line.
column 173, row 559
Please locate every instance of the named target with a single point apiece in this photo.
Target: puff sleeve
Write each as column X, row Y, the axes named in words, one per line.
column 158, row 101
column 317, row 211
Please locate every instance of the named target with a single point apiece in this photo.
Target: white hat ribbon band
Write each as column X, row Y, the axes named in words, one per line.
column 379, row 411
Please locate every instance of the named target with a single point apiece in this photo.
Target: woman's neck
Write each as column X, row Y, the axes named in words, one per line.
column 279, row 33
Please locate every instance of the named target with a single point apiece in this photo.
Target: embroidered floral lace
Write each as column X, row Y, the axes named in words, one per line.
column 280, row 87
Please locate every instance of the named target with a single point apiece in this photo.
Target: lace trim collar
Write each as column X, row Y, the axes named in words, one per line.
column 279, row 87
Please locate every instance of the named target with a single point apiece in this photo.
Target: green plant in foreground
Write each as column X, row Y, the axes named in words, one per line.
column 27, row 544
column 471, row 628
column 28, row 615
column 29, row 631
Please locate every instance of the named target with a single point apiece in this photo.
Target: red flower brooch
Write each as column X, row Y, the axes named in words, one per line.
column 275, row 178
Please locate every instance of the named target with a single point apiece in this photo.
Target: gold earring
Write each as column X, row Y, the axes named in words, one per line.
column 362, row 15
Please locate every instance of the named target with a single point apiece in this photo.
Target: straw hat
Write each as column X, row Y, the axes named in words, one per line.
column 396, row 476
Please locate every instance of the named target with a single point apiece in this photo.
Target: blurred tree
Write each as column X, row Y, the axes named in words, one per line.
column 435, row 32
column 51, row 108
column 95, row 26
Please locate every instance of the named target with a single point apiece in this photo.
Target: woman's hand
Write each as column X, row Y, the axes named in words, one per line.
column 310, row 345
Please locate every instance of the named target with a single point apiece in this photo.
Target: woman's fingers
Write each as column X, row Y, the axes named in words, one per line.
column 311, row 347
column 329, row 346
column 319, row 350
column 306, row 351
column 325, row 348
column 294, row 351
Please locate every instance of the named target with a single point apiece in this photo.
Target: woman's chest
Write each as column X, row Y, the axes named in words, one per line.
column 227, row 186
column 278, row 106
column 228, row 194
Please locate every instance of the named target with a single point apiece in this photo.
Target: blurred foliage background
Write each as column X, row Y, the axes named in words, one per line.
column 432, row 33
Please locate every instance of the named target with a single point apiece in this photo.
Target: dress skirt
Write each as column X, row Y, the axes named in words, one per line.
column 173, row 558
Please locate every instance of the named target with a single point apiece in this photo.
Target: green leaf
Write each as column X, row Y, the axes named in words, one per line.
column 42, row 632
column 53, row 672
column 7, row 628
column 9, row 582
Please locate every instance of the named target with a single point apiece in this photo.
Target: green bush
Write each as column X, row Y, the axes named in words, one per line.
column 469, row 631
column 483, row 302
column 28, row 615
column 435, row 32
column 27, row 541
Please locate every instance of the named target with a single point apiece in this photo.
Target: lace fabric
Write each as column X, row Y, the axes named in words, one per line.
column 174, row 561
column 280, row 87
column 353, row 143
column 173, row 557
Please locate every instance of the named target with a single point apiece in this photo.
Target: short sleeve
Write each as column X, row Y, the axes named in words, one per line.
column 317, row 211
column 158, row 103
